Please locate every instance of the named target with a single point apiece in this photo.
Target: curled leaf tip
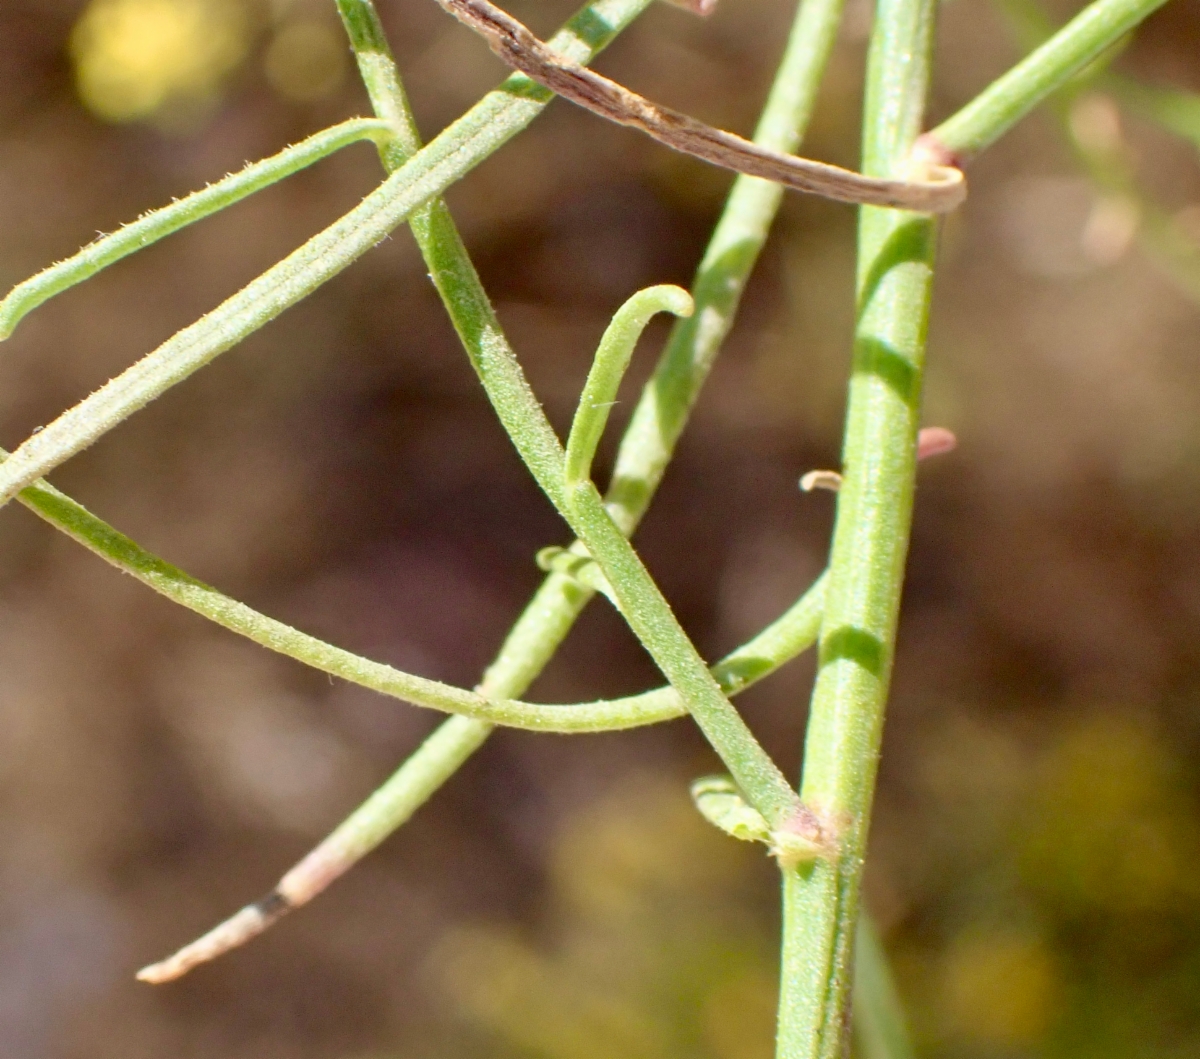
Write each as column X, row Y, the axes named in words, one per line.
column 830, row 480
column 935, row 441
column 722, row 805
column 703, row 8
column 608, row 367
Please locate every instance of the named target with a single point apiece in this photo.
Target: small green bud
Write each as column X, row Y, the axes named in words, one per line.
column 581, row 568
column 722, row 805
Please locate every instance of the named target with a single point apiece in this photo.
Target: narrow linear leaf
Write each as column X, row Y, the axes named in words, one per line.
column 158, row 224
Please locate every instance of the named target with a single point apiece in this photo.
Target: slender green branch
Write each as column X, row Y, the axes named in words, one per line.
column 792, row 633
column 662, row 412
column 1170, row 108
column 608, row 369
column 1002, row 104
column 158, row 224
column 666, row 402
column 1109, row 163
column 879, row 1024
column 895, row 270
column 656, row 426
column 489, row 124
column 525, row 422
column 650, row 616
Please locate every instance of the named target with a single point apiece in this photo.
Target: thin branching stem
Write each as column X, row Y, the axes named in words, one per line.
column 652, row 620
column 792, row 633
column 1009, row 98
column 158, row 224
column 895, row 271
column 523, row 419
column 488, row 125
column 649, row 441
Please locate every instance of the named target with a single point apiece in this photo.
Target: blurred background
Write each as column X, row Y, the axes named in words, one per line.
column 1034, row 854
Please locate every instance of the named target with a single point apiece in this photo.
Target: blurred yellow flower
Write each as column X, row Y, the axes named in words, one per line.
column 134, row 58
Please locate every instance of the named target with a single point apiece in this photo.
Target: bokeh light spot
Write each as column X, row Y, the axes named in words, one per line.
column 135, row 58
column 1111, row 830
column 306, row 61
column 1000, row 988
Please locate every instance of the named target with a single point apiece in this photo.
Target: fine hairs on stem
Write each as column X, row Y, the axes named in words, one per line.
column 657, row 423
column 158, row 224
column 817, row 834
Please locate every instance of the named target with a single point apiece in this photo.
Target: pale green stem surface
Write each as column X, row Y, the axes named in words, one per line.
column 492, row 122
column 608, row 369
column 649, row 441
column 793, row 632
column 643, row 605
column 158, row 224
column 1008, row 99
column 652, row 620
column 657, row 423
column 880, row 1029
column 870, row 543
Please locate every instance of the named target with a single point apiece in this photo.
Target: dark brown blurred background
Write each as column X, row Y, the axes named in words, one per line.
column 1035, row 854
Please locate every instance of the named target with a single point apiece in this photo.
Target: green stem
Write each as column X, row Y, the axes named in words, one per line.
column 656, row 425
column 485, row 127
column 158, row 224
column 792, row 633
column 666, row 402
column 869, row 547
column 608, row 369
column 662, row 412
column 1009, row 98
column 652, row 620
column 519, row 412
column 879, row 1025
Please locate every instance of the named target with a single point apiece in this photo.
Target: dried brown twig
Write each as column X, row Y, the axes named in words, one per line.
column 934, row 188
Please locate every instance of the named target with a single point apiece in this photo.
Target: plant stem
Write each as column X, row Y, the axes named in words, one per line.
column 519, row 412
column 493, row 121
column 879, row 1026
column 869, row 548
column 652, row 620
column 649, row 440
column 662, row 411
column 1009, row 98
column 151, row 227
column 790, row 634
column 608, row 369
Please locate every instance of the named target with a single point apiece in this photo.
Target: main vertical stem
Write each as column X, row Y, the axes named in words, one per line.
column 870, row 544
